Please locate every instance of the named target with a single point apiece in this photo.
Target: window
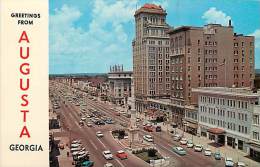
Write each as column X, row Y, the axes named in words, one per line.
column 256, row 135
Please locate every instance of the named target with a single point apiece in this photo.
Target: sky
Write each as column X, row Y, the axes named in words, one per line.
column 88, row 36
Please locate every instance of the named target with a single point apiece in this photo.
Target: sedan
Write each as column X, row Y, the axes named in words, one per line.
column 198, row 148
column 189, row 144
column 107, row 155
column 148, row 138
column 121, row 154
column 217, row 156
column 108, row 165
column 179, row 150
column 207, row 152
column 183, row 141
column 229, row 162
column 99, row 134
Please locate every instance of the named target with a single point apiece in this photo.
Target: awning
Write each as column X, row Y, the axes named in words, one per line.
column 216, row 131
column 192, row 125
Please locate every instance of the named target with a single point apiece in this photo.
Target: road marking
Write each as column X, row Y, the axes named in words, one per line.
column 93, row 144
column 119, row 162
column 102, row 143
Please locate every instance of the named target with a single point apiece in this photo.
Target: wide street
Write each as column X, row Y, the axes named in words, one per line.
column 70, row 116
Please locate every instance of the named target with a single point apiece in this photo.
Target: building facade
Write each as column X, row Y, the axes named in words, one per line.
column 151, row 60
column 119, row 85
column 230, row 116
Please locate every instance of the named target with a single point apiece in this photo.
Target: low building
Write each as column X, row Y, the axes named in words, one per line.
column 119, row 85
column 230, row 116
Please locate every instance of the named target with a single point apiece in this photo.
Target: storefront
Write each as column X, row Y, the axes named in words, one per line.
column 217, row 135
column 254, row 151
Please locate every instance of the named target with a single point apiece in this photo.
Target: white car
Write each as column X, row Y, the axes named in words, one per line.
column 99, row 134
column 189, row 144
column 107, row 154
column 183, row 141
column 76, row 142
column 83, row 118
column 75, row 149
column 89, row 124
column 176, row 137
column 148, row 138
column 241, row 164
column 229, row 162
column 108, row 165
column 198, row 147
column 75, row 145
column 207, row 152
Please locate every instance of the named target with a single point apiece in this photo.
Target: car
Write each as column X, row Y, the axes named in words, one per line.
column 183, row 141
column 158, row 129
column 107, row 155
column 99, row 134
column 177, row 137
column 75, row 145
column 87, row 164
column 83, row 118
column 241, row 164
column 207, row 152
column 81, row 123
column 198, row 148
column 75, row 149
column 217, row 156
column 148, row 138
column 76, row 142
column 138, row 119
column 229, row 162
column 108, row 165
column 190, row 144
column 121, row 154
column 89, row 124
column 179, row 150
column 148, row 128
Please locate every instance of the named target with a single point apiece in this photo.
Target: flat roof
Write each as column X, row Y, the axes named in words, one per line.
column 242, row 92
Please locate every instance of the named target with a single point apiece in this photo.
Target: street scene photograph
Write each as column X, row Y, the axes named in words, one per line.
column 154, row 83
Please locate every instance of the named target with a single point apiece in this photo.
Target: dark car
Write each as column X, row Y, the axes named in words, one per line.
column 158, row 129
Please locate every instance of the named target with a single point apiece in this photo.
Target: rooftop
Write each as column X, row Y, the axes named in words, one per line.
column 241, row 92
column 151, row 8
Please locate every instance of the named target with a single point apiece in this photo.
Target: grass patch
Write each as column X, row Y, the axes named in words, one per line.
column 144, row 155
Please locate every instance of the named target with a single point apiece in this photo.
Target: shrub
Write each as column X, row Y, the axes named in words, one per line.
column 152, row 152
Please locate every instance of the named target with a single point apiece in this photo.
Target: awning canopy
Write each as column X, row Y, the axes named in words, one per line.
column 216, row 131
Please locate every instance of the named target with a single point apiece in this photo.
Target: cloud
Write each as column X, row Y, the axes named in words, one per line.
column 216, row 16
column 93, row 48
column 256, row 34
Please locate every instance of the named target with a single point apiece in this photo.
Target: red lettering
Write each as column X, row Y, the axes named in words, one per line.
column 25, row 71
column 27, row 53
column 25, row 100
column 25, row 132
column 24, row 37
column 27, row 84
column 24, row 114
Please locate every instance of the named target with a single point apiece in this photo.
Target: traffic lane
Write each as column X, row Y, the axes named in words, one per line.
column 109, row 143
column 193, row 156
column 87, row 142
column 89, row 136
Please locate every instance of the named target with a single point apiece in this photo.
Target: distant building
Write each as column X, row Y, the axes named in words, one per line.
column 119, row 85
column 151, row 60
column 230, row 116
column 257, row 81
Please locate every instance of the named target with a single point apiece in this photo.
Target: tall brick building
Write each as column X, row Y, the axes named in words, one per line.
column 151, row 59
column 209, row 56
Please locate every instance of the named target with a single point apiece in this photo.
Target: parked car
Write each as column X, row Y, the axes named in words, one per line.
column 75, row 145
column 190, row 144
column 76, row 142
column 158, row 129
column 229, row 162
column 241, row 164
column 207, row 152
column 107, row 155
column 81, row 123
column 148, row 138
column 108, row 165
column 87, row 164
column 217, row 156
column 198, row 148
column 83, row 118
column 99, row 134
column 89, row 124
column 148, row 128
column 121, row 154
column 177, row 137
column 183, row 141
column 179, row 150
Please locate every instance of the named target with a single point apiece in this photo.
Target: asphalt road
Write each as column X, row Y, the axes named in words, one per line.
column 95, row 146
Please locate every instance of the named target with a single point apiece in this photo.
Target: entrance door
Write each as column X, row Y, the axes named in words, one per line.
column 240, row 144
column 221, row 139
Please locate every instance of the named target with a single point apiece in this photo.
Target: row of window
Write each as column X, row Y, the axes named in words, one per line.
column 222, row 101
